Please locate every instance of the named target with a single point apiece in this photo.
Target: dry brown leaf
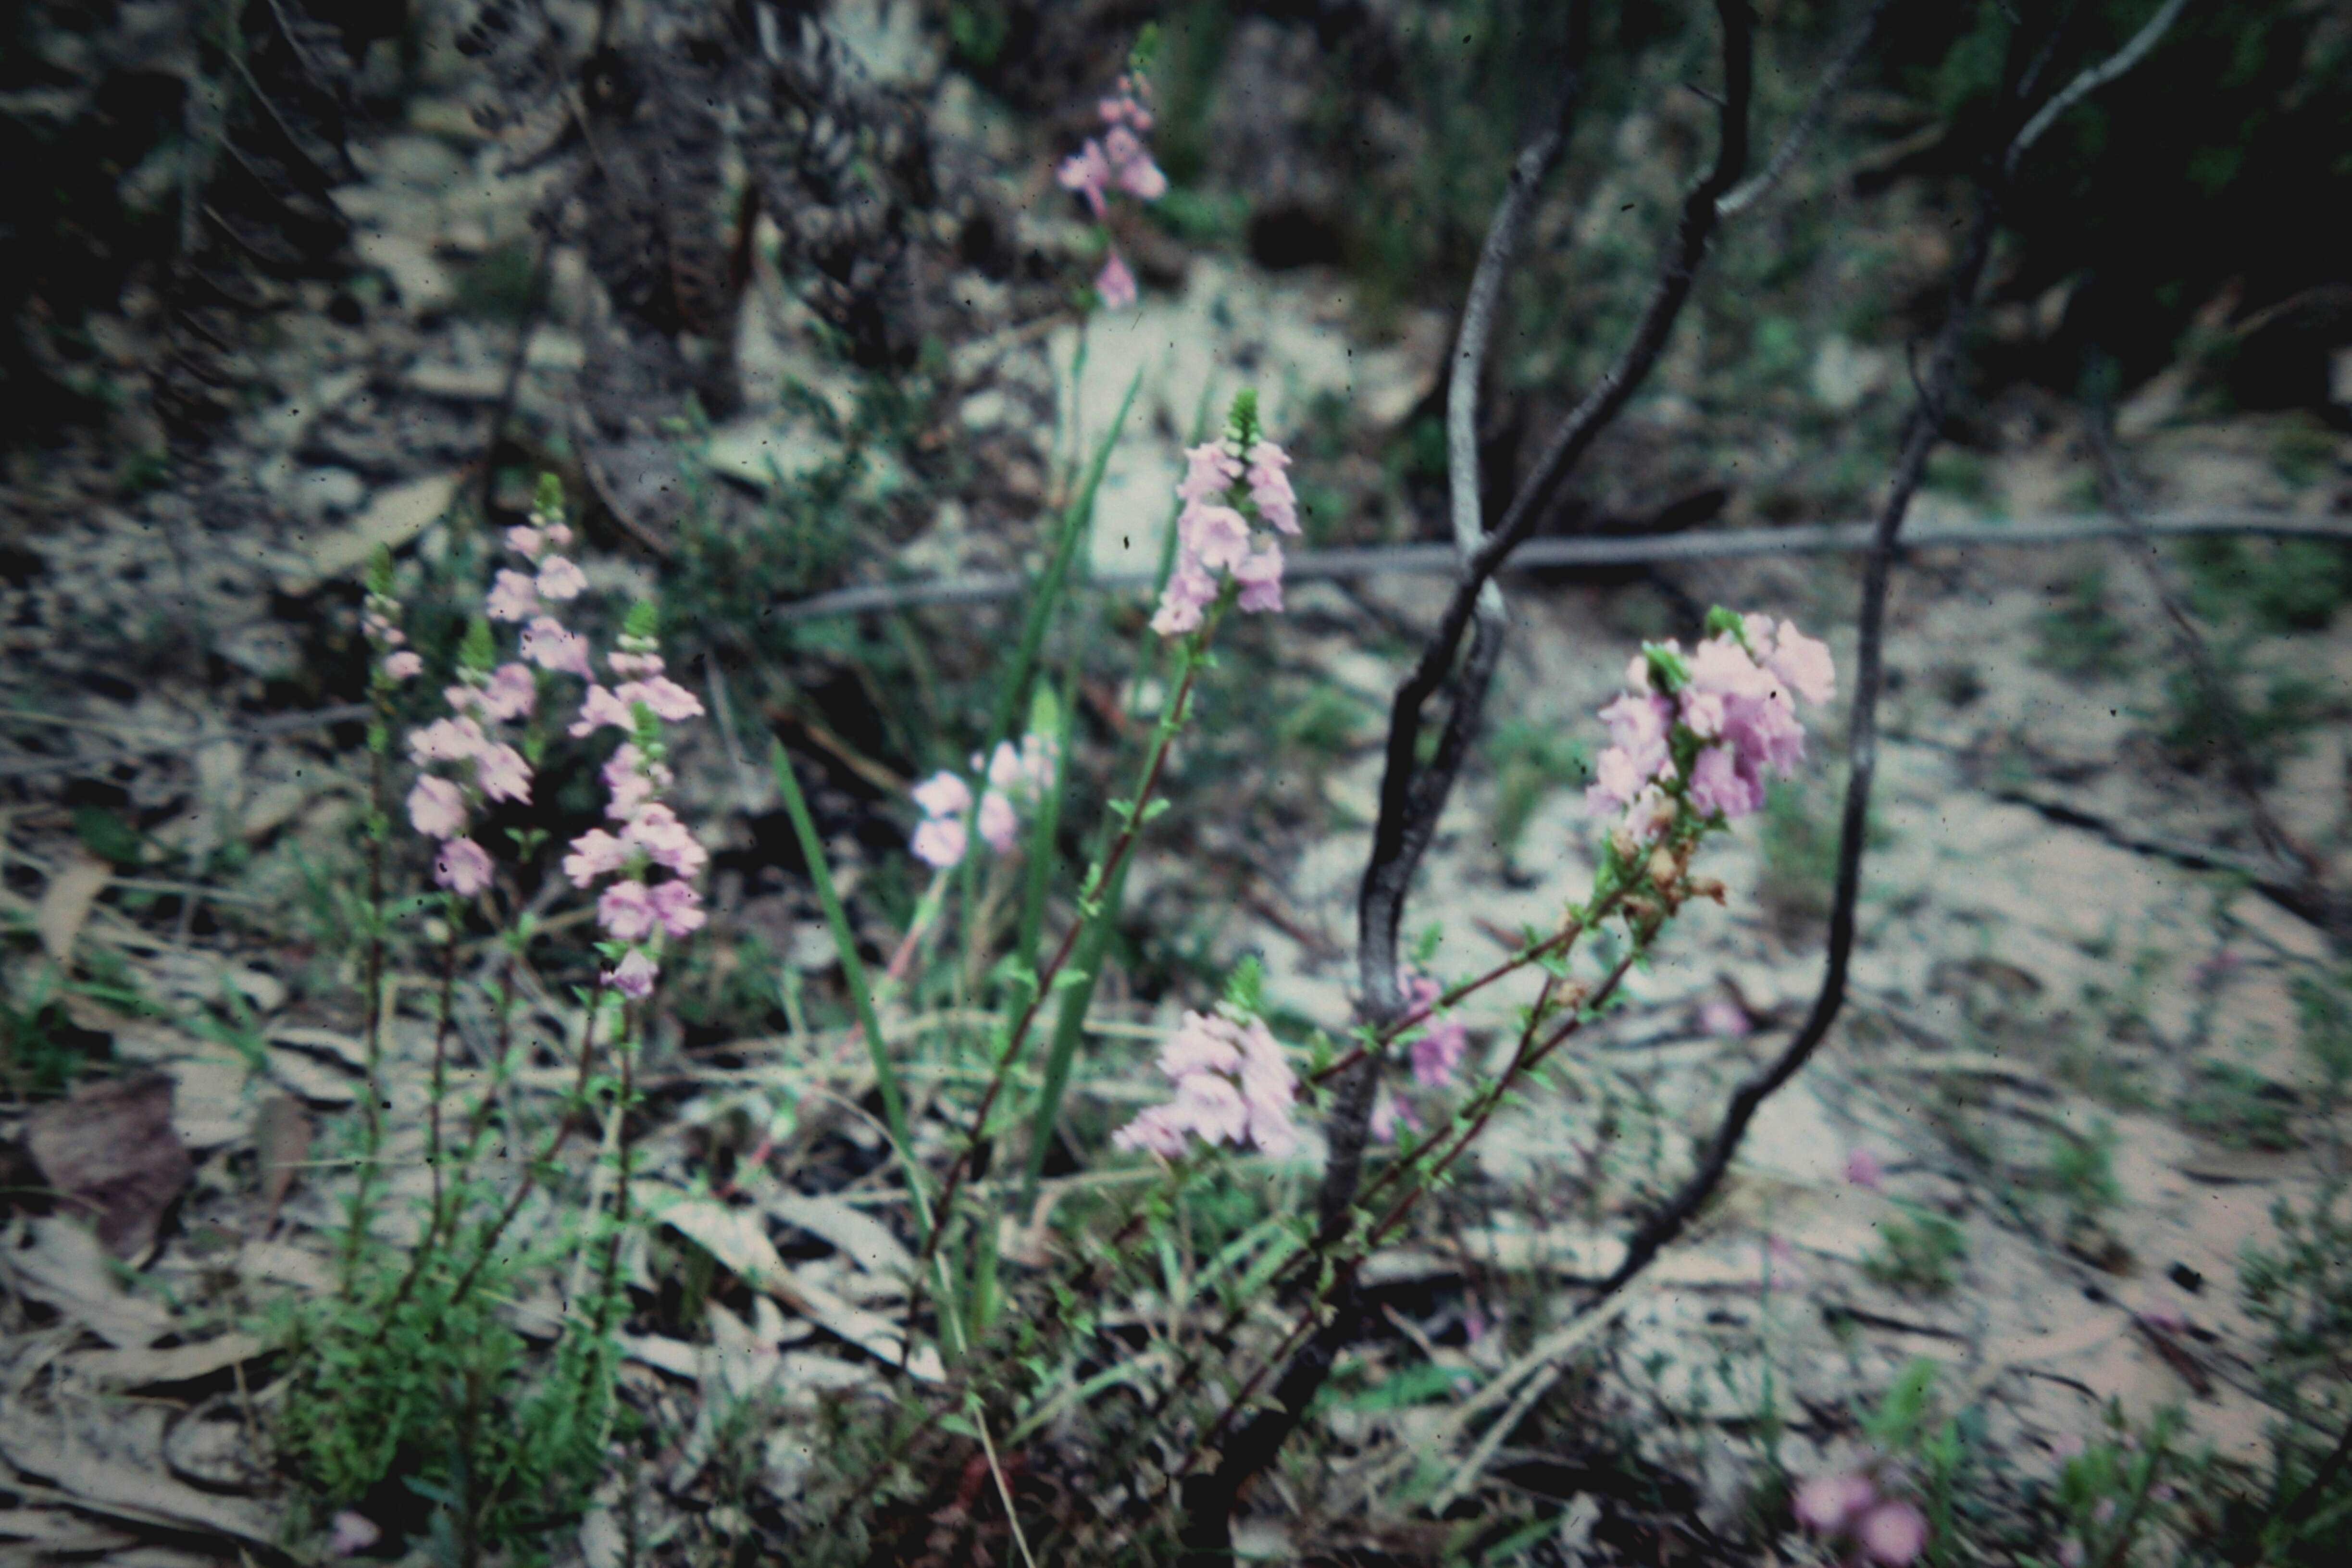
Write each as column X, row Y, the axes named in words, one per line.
column 59, row 1261
column 181, row 1363
column 66, row 903
column 857, row 1233
column 282, row 1135
column 391, row 519
column 734, row 1237
column 112, row 1156
column 119, row 1472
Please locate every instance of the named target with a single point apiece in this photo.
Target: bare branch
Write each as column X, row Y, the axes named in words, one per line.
column 1756, row 187
column 2093, row 78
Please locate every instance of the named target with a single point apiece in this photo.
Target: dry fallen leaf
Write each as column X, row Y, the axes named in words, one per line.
column 59, row 1262
column 734, row 1237
column 110, row 1156
column 282, row 1135
column 391, row 519
column 182, row 1364
column 118, row 1470
column 66, row 903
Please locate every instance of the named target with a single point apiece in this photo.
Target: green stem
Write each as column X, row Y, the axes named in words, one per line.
column 853, row 969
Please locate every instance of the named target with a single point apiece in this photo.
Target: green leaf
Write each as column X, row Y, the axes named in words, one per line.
column 108, row 836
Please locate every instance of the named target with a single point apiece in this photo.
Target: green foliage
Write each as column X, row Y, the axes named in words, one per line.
column 1530, row 761
column 2105, row 1497
column 504, row 285
column 2301, row 1292
column 2079, row 635
column 42, row 1050
column 2084, row 1172
column 1328, row 719
column 1918, row 1251
column 434, row 1393
column 2241, row 1108
column 2196, row 732
column 2273, row 586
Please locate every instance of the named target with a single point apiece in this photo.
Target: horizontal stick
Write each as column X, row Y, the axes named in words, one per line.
column 1613, row 550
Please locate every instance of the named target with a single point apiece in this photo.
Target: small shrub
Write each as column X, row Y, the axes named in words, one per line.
column 2242, row 1109
column 1921, row 1250
column 2079, row 637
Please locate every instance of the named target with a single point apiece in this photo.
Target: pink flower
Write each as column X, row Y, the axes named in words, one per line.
column 997, row 822
column 629, row 666
column 548, row 644
column 669, row 701
column 1641, row 725
column 1217, row 536
column 1652, row 813
column 1115, row 284
column 510, row 692
column 636, row 976
column 679, row 907
column 1270, row 485
column 436, row 808
column 1260, row 574
column 446, row 740
column 502, row 774
column 627, row 912
column 1232, row 1086
column 1132, row 167
column 1637, row 674
column 1616, row 781
column 1189, row 590
column 632, row 781
column 595, row 854
column 462, row 867
column 559, row 579
column 1893, row 1534
column 464, row 700
column 940, row 842
column 402, row 666
column 1269, row 1088
column 527, row 542
column 666, row 840
column 352, row 1532
column 513, row 597
column 1825, row 1504
column 1717, row 784
column 1389, row 1113
column 1438, row 1052
column 1804, row 663
column 1723, row 1017
column 1202, row 1043
column 1210, row 470
column 601, row 708
column 944, row 793
column 1702, row 712
column 1087, row 172
column 1863, row 1170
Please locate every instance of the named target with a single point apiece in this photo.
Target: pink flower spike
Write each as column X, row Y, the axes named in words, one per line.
column 1863, row 1170
column 595, row 854
column 1087, row 172
column 1115, row 284
column 527, row 542
column 940, row 842
column 1217, row 536
column 1616, row 781
column 1132, row 167
column 513, row 597
column 502, row 774
column 678, row 908
column 1825, row 1504
column 1210, row 470
column 548, row 644
column 1270, row 485
column 1804, row 663
column 1637, row 674
column 1203, row 1042
column 446, row 741
column 998, row 823
column 1719, row 785
column 944, row 793
column 630, row 666
column 599, row 708
column 666, row 840
column 1260, row 575
column 402, row 666
column 636, row 976
column 560, row 578
column 1438, row 1052
column 511, row 692
column 352, row 1532
column 436, row 808
column 627, row 912
column 1893, row 1534
column 670, row 701
column 463, row 866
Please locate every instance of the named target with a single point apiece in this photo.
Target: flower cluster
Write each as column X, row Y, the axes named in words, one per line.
column 1018, row 777
column 1851, row 1514
column 1118, row 160
column 1213, row 542
column 1232, row 1086
column 380, row 621
column 1706, row 729
column 636, row 909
